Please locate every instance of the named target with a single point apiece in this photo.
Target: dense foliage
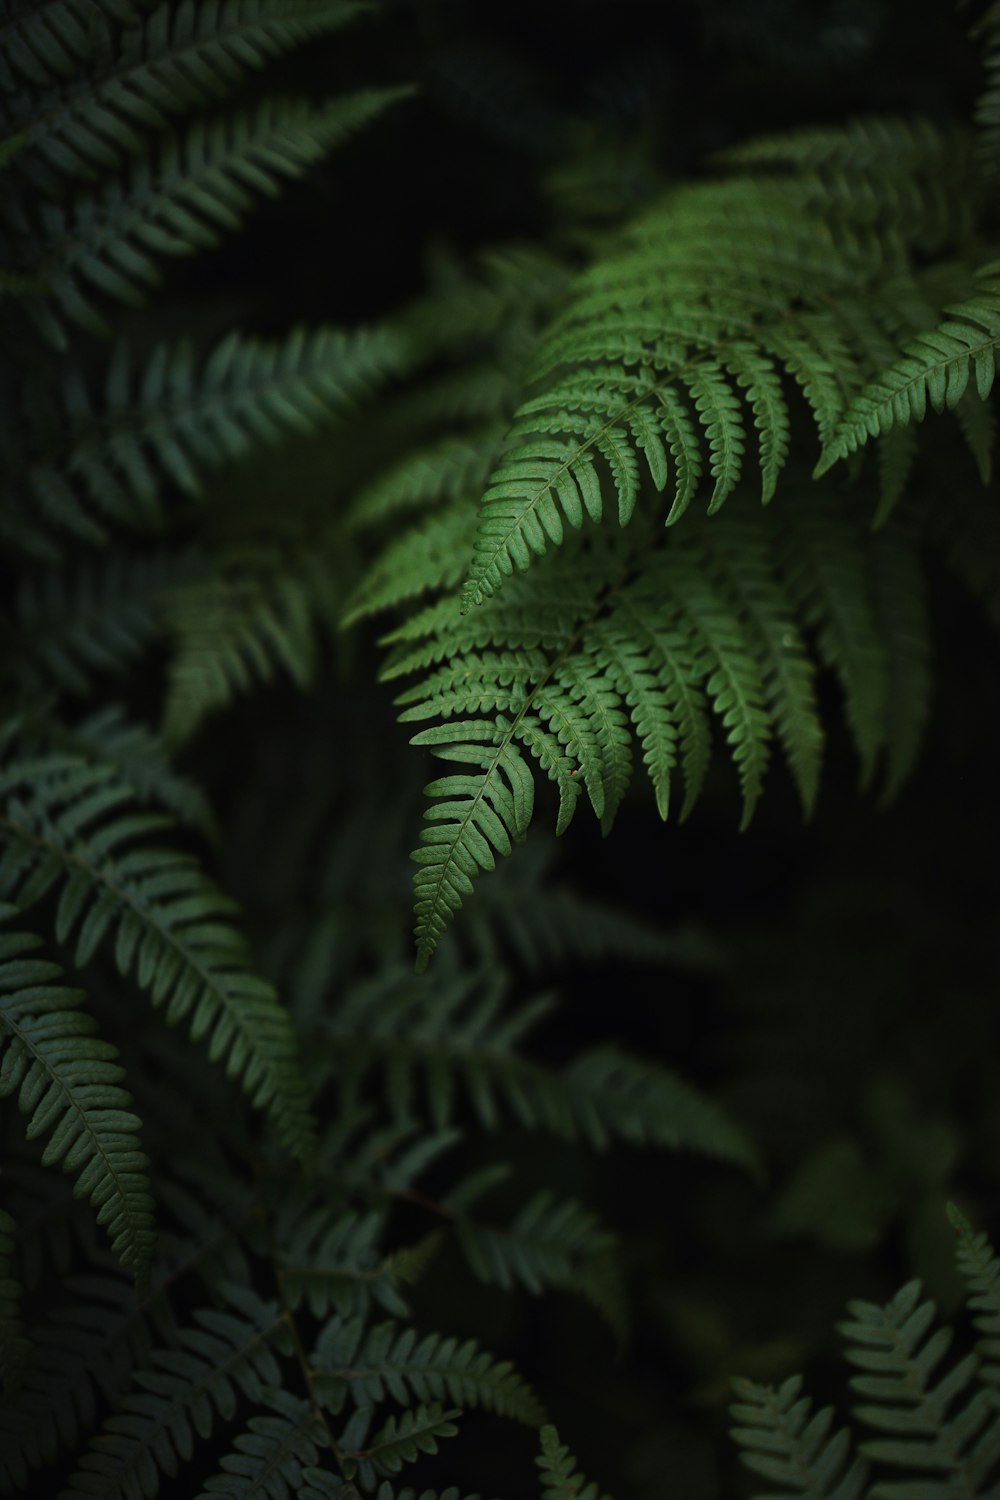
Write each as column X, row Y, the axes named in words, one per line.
column 574, row 401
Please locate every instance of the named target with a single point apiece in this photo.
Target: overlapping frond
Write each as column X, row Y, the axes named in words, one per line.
column 67, row 824
column 718, row 297
column 179, row 200
column 276, row 1457
column 462, row 1032
column 88, row 85
column 936, row 368
column 782, row 1439
column 399, row 1441
column 182, row 1392
column 365, row 1364
column 68, row 1081
column 718, row 632
column 163, row 424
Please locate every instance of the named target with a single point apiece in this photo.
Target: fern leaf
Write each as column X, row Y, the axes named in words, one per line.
column 329, row 1258
column 430, row 556
column 934, row 367
column 481, row 814
column 69, row 1083
column 936, row 1424
column 556, row 1465
column 87, row 119
column 980, row 1270
column 452, row 468
column 167, row 921
column 368, row 1364
column 274, row 1455
column 401, row 1440
column 177, row 417
column 781, row 1439
column 15, row 1348
column 182, row 1392
column 181, row 200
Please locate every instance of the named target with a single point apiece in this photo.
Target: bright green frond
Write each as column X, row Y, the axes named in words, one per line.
column 68, row 1082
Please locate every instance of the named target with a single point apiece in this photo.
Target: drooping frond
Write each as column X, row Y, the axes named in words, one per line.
column 15, row 1348
column 780, row 1438
column 666, row 347
column 183, row 1391
column 68, row 1082
column 67, row 825
column 938, row 1425
column 165, row 424
column 366, row 1364
column 461, row 1032
column 87, row 85
column 556, row 1465
column 935, row 367
column 720, row 627
column 183, row 198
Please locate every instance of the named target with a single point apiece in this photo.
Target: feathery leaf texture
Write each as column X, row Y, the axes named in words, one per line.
column 180, row 1394
column 462, row 1031
column 66, row 823
column 556, row 1465
column 175, row 202
column 273, row 1458
column 162, row 426
column 68, row 1081
column 934, row 367
column 724, row 623
column 400, row 1440
column 780, row 1438
column 88, row 84
column 366, row 1363
column 712, row 299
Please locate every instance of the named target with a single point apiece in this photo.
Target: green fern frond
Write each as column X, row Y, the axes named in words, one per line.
column 556, row 1465
column 934, row 367
column 330, row 1258
column 163, row 425
column 367, row 1364
column 400, row 1441
column 15, row 1348
column 276, row 1453
column 452, row 468
column 980, row 1269
column 98, row 620
column 125, row 80
column 431, row 556
column 937, row 1424
column 68, row 1082
column 66, row 824
column 183, row 1391
column 781, row 1439
column 182, row 199
column 663, row 345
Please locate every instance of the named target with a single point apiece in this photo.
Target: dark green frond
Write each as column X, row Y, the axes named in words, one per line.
column 400, row 1441
column 66, row 825
column 273, row 1457
column 164, row 425
column 366, row 1364
column 184, row 1390
column 125, row 76
column 15, row 1348
column 556, row 1465
column 68, row 1082
column 193, row 190
column 980, row 1269
column 781, row 1439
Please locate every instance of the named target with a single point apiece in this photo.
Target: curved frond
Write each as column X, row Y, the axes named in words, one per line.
column 66, row 825
column 68, row 1082
column 164, row 425
column 399, row 1441
column 781, row 1439
column 556, row 1465
column 110, row 78
column 276, row 1455
column 367, row 1364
